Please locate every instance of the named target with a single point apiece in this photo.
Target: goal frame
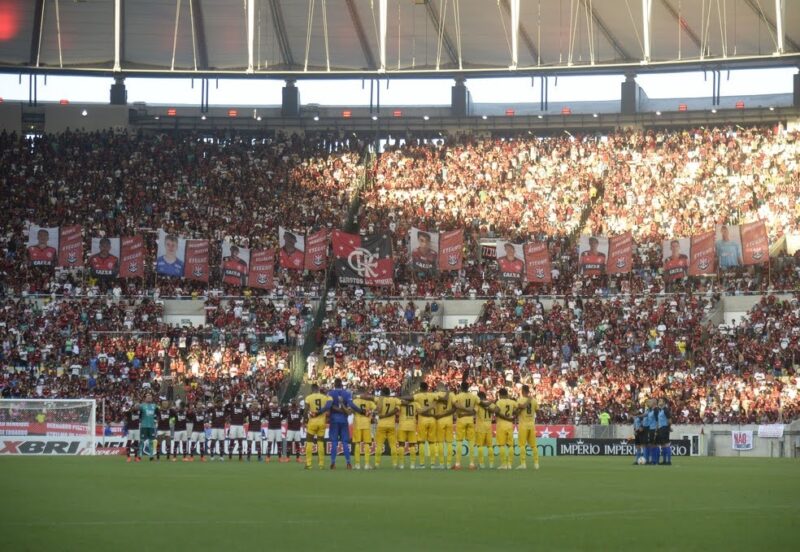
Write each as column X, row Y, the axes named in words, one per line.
column 90, row 437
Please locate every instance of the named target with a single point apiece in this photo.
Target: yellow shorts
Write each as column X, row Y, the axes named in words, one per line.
column 483, row 437
column 526, row 436
column 465, row 429
column 383, row 434
column 444, row 430
column 362, row 436
column 407, row 436
column 505, row 435
column 426, row 429
column 315, row 428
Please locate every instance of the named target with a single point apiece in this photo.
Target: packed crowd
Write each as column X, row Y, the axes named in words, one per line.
column 586, row 356
column 108, row 339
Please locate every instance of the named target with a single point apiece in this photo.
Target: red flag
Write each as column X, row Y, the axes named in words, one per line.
column 703, row 256
column 537, row 263
column 451, row 248
column 755, row 243
column 344, row 243
column 317, row 250
column 131, row 257
column 196, row 265
column 620, row 254
column 262, row 269
column 70, row 247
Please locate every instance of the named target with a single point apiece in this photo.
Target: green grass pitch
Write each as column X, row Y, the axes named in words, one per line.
column 102, row 503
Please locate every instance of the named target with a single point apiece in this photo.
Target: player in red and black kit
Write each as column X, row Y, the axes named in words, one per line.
column 237, row 412
column 676, row 266
column 197, row 417
column 234, row 269
column 254, row 418
column 104, row 263
column 163, row 414
column 179, row 433
column 424, row 258
column 593, row 261
column 42, row 254
column 290, row 256
column 132, row 427
column 218, row 418
column 511, row 267
column 275, row 416
column 294, row 427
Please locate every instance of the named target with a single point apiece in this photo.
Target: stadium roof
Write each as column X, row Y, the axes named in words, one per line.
column 319, row 38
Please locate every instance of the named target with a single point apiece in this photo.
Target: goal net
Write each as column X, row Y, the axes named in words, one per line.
column 47, row 427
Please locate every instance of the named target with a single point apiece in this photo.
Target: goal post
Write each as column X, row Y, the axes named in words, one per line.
column 47, row 427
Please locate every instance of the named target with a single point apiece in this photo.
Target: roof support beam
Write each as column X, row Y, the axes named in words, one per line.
column 433, row 14
column 759, row 12
column 647, row 11
column 36, row 36
column 200, row 33
column 118, row 44
column 251, row 33
column 684, row 25
column 523, row 34
column 369, row 57
column 780, row 11
column 621, row 51
column 280, row 31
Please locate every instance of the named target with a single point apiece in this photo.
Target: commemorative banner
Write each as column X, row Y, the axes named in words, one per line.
column 262, row 269
column 235, row 262
column 423, row 251
column 317, row 250
column 612, row 447
column 771, row 431
column 451, row 250
column 363, row 260
column 755, row 243
column 170, row 253
column 131, row 257
column 42, row 246
column 592, row 255
column 620, row 254
column 676, row 260
column 70, row 247
column 104, row 256
column 197, row 263
column 728, row 247
column 293, row 246
column 703, row 256
column 510, row 263
column 537, row 263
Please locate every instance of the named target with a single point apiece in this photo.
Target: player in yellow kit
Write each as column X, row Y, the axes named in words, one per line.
column 315, row 426
column 407, row 433
column 386, row 408
column 465, row 404
column 483, row 430
column 505, row 409
column 526, row 428
column 426, row 423
column 362, row 430
column 444, row 424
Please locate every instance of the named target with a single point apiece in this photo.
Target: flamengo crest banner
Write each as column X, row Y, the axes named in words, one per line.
column 131, row 257
column 363, row 260
column 317, row 250
column 196, row 265
column 451, row 250
column 70, row 247
column 262, row 269
column 537, row 263
column 620, row 254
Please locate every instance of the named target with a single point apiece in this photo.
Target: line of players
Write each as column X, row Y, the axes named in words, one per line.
column 173, row 435
column 651, row 429
column 421, row 427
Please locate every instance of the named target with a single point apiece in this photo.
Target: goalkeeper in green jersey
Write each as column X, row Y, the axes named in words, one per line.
column 147, row 424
